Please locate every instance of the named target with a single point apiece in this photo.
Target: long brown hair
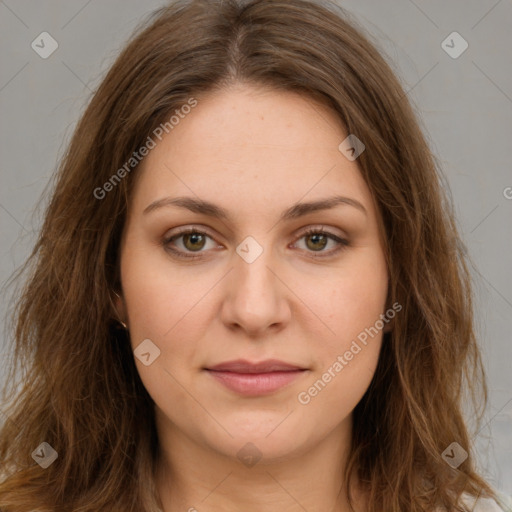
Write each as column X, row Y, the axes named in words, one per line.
column 73, row 383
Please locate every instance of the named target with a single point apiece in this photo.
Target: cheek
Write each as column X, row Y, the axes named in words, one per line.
column 353, row 304
column 347, row 357
column 331, row 396
column 160, row 305
column 158, row 297
column 170, row 308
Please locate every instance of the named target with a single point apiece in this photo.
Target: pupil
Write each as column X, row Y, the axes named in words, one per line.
column 315, row 240
column 194, row 238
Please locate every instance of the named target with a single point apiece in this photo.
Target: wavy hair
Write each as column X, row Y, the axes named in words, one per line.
column 73, row 382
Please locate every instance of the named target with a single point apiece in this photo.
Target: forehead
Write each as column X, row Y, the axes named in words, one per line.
column 251, row 149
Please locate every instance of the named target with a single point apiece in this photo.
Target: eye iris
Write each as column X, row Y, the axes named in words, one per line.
column 315, row 237
column 195, row 241
column 193, row 237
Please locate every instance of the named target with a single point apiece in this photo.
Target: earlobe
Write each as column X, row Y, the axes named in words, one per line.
column 388, row 327
column 389, row 321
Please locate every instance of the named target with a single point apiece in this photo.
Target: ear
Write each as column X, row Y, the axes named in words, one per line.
column 391, row 314
column 119, row 306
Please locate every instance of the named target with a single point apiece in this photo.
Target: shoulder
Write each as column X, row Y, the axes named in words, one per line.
column 487, row 504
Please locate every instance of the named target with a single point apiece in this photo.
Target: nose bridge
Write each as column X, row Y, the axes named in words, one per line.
column 252, row 277
column 255, row 298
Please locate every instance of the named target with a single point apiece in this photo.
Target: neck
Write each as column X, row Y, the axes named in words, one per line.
column 194, row 477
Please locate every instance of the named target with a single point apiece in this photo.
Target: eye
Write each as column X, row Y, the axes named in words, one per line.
column 193, row 240
column 317, row 239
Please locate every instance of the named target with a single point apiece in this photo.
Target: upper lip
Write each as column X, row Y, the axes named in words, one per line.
column 244, row 366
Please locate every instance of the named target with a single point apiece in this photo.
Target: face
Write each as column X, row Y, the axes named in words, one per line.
column 267, row 280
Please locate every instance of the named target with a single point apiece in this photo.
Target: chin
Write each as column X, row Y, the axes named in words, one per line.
column 268, row 444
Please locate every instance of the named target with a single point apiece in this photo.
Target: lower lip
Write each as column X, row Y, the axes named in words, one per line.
column 253, row 384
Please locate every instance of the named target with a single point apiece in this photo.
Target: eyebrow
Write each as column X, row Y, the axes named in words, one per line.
column 212, row 210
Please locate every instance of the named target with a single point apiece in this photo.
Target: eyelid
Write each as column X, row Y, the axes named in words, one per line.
column 200, row 230
column 319, row 228
column 341, row 241
column 196, row 228
column 310, row 230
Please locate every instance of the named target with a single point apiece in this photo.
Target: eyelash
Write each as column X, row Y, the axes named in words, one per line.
column 342, row 243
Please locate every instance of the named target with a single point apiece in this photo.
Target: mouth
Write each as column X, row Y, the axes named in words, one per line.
column 254, row 379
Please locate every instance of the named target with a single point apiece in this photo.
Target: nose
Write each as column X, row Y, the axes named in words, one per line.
column 256, row 297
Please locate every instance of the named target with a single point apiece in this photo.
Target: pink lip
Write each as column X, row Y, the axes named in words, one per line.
column 254, row 379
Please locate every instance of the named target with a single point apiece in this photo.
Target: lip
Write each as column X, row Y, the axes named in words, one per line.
column 253, row 379
column 244, row 366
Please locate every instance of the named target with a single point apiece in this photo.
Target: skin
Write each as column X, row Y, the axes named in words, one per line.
column 254, row 152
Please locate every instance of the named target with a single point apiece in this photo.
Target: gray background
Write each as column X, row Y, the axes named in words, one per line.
column 464, row 104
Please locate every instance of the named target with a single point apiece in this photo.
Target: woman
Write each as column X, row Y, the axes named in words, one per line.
column 248, row 292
